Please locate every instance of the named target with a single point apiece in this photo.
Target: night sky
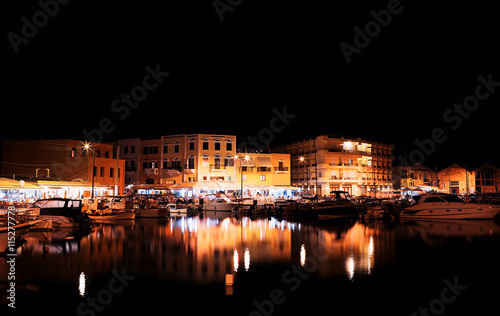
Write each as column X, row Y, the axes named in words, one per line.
column 236, row 66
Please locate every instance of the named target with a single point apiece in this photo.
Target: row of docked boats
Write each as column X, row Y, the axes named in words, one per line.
column 71, row 213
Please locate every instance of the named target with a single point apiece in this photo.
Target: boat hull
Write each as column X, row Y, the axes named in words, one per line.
column 108, row 217
column 221, row 207
column 60, row 221
column 151, row 213
column 16, row 231
column 480, row 212
column 335, row 211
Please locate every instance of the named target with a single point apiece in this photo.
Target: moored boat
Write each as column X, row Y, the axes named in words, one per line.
column 220, row 203
column 177, row 208
column 152, row 212
column 64, row 213
column 9, row 234
column 112, row 215
column 448, row 206
column 338, row 207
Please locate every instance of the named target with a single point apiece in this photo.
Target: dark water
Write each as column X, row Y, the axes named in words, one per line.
column 180, row 266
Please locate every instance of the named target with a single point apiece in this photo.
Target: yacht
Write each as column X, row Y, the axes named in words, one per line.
column 220, row 203
column 339, row 206
column 64, row 213
column 449, row 206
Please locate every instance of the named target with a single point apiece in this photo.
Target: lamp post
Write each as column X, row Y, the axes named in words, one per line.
column 247, row 158
column 87, row 147
column 302, row 159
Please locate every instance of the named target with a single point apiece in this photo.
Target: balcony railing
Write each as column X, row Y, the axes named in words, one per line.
column 217, row 167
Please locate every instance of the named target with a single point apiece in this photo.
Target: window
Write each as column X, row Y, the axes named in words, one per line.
column 191, row 144
column 165, row 149
column 205, row 144
column 204, row 161
column 217, row 162
column 217, row 144
column 262, row 178
column 165, row 164
column 176, row 164
column 132, row 149
column 244, row 177
column 106, row 154
column 229, row 161
column 229, row 145
column 102, row 172
column 111, row 172
column 125, row 150
column 73, row 152
column 190, row 162
column 152, row 150
column 176, row 147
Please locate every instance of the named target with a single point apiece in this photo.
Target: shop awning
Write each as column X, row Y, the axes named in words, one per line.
column 207, row 185
column 229, row 185
column 264, row 162
column 247, row 162
column 9, row 184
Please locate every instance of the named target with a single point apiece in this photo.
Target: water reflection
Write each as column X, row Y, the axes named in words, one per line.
column 217, row 247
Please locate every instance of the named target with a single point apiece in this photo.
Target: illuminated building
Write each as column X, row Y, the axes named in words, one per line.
column 265, row 174
column 487, row 179
column 66, row 160
column 456, row 180
column 327, row 163
column 415, row 176
column 186, row 163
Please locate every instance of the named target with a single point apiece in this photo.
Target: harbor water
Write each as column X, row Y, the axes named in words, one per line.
column 219, row 264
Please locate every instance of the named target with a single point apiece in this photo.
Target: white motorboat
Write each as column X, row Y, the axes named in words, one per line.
column 220, row 203
column 64, row 213
column 448, row 206
column 177, row 208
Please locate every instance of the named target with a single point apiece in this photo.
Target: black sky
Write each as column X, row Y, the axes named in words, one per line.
column 228, row 76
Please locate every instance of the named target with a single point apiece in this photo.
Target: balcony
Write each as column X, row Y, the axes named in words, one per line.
column 264, row 169
column 189, row 168
column 217, row 168
column 151, row 171
column 281, row 170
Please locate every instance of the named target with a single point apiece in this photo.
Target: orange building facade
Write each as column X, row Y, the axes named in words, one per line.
column 63, row 159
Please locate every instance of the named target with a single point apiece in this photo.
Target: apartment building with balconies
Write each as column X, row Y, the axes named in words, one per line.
column 328, row 163
column 185, row 159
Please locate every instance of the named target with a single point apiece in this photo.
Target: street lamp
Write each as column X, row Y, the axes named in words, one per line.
column 302, row 159
column 246, row 158
column 87, row 146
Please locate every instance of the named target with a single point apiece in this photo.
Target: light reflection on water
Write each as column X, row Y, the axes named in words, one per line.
column 206, row 250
